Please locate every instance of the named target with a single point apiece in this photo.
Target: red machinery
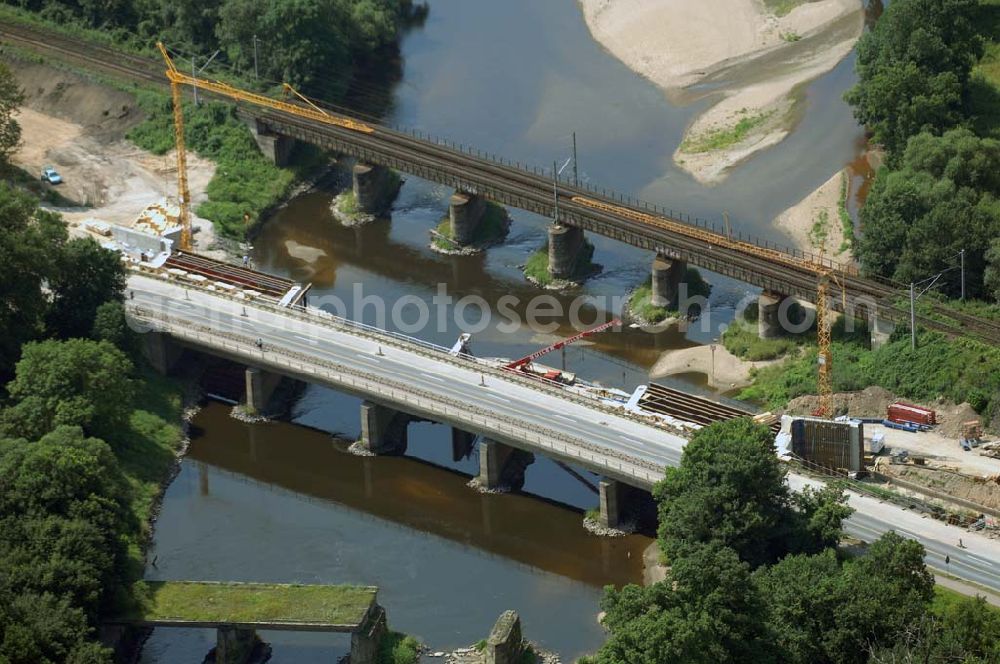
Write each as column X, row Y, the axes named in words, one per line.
column 906, row 412
column 524, row 362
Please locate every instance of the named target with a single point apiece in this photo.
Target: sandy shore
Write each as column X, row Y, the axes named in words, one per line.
column 752, row 60
column 814, row 223
column 730, row 372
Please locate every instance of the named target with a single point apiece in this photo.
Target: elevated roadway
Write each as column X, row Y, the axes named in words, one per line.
column 467, row 393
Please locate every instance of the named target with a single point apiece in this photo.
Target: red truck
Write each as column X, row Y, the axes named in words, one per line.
column 906, row 412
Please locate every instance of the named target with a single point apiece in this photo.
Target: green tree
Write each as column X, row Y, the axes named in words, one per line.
column 87, row 276
column 707, row 611
column 942, row 199
column 11, row 97
column 30, row 241
column 730, row 490
column 913, row 69
column 991, row 276
column 111, row 324
column 76, row 382
column 45, row 629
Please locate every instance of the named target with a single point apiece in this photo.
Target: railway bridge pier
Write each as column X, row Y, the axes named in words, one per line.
column 465, row 211
column 667, row 275
column 374, row 187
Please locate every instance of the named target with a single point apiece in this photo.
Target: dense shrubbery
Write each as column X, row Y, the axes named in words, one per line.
column 924, row 98
column 84, row 440
column 754, row 576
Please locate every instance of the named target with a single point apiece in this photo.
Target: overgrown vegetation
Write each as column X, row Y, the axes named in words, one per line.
column 782, row 7
column 640, row 302
column 399, row 648
column 846, row 223
column 755, row 576
column 719, row 138
column 742, row 339
column 86, row 438
column 537, row 266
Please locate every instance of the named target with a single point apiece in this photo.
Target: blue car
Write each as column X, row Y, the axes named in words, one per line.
column 50, row 175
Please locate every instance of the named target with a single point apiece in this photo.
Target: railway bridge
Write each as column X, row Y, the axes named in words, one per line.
column 675, row 238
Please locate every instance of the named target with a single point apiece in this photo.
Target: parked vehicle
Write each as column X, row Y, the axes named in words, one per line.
column 51, row 176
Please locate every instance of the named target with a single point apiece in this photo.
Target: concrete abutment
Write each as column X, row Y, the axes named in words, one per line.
column 161, row 352
column 880, row 331
column 375, row 187
column 277, row 148
column 367, row 640
column 667, row 275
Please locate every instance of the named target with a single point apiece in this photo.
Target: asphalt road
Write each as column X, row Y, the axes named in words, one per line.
column 977, row 562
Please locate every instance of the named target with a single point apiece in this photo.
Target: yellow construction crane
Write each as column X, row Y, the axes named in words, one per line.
column 824, row 358
column 179, row 78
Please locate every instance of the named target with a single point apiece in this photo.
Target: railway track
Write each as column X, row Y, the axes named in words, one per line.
column 767, row 262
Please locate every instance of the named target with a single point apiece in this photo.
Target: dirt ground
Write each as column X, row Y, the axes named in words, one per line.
column 939, row 446
column 78, row 127
column 730, row 372
column 798, row 221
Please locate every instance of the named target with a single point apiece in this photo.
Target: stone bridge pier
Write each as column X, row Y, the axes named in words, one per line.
column 383, row 429
column 667, row 275
column 234, row 645
column 768, row 319
column 502, row 466
column 565, row 245
column 465, row 211
column 375, row 187
column 260, row 386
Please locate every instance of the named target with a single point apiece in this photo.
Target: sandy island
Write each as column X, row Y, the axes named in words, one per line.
column 740, row 51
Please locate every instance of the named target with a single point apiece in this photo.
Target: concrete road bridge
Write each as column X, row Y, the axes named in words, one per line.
column 675, row 238
column 401, row 378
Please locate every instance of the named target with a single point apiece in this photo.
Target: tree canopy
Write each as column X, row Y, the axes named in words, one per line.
column 77, row 382
column 85, row 277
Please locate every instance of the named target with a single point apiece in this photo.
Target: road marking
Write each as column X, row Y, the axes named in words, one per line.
column 430, row 377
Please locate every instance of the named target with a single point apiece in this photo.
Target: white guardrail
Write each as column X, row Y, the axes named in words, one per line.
column 613, row 462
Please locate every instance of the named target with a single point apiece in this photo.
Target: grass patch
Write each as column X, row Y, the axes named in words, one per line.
column 961, row 370
column 397, row 648
column 492, row 227
column 742, row 340
column 820, row 230
column 537, row 266
column 782, row 7
column 724, row 137
column 245, row 182
column 251, row 602
column 593, row 514
column 790, row 37
column 946, row 600
column 348, row 203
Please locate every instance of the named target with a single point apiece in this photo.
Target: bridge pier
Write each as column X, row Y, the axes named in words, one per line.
column 462, row 443
column 502, row 466
column 234, row 645
column 565, row 243
column 276, row 147
column 383, row 430
column 465, row 211
column 880, row 330
column 667, row 275
column 161, row 352
column 374, row 187
column 768, row 320
column 612, row 499
column 260, row 385
column 366, row 640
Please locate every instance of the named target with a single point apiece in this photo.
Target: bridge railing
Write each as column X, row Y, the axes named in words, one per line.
column 562, row 445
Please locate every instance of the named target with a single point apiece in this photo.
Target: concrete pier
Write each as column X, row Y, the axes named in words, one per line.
column 462, row 443
column 366, row 640
column 565, row 243
column 612, row 502
column 161, row 352
column 465, row 211
column 880, row 330
column 505, row 644
column 234, row 645
column 374, row 187
column 502, row 466
column 667, row 275
column 383, row 430
column 260, row 385
column 276, row 147
column 768, row 321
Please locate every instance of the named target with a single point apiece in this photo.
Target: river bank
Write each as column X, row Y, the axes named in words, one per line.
column 752, row 56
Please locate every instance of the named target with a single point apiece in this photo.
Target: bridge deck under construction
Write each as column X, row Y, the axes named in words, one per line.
column 268, row 285
column 689, row 407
